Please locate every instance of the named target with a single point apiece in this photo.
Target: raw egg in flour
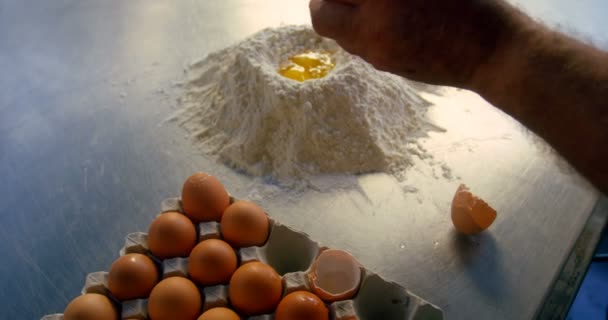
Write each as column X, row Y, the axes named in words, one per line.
column 307, row 65
column 470, row 214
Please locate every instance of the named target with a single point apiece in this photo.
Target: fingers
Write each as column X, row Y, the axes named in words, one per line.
column 350, row 47
column 333, row 19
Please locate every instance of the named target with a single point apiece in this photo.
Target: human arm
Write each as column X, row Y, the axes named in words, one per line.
column 554, row 85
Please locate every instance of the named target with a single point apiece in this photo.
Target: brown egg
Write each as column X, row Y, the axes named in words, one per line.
column 174, row 298
column 255, row 288
column 204, row 198
column 171, row 235
column 245, row 224
column 90, row 306
column 212, row 262
column 301, row 305
column 470, row 214
column 132, row 276
column 219, row 314
column 335, row 275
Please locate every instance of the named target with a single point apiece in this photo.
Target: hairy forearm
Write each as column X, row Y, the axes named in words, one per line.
column 554, row 85
column 557, row 87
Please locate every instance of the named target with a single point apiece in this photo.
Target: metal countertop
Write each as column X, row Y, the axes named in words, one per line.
column 86, row 157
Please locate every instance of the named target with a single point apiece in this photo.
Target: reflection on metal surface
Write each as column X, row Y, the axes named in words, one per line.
column 561, row 296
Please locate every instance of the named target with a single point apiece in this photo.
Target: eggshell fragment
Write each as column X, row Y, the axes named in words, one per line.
column 204, row 198
column 470, row 214
column 90, row 306
column 335, row 275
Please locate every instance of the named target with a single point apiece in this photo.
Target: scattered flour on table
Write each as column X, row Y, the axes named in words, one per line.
column 354, row 120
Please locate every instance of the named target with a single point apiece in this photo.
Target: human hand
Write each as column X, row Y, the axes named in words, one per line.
column 435, row 41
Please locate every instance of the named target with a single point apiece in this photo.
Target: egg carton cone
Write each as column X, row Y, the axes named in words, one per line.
column 96, row 282
column 215, row 296
column 292, row 254
column 262, row 317
column 136, row 242
column 135, row 309
column 209, row 230
column 380, row 299
column 175, row 267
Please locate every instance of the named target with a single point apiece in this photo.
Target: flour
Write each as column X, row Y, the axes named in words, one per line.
column 354, row 120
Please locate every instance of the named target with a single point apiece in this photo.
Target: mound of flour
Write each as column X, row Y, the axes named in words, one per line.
column 354, row 120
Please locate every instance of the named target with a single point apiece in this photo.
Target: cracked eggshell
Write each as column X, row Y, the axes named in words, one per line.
column 335, row 275
column 470, row 214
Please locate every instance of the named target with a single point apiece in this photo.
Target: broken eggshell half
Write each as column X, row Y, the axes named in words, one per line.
column 470, row 214
column 335, row 275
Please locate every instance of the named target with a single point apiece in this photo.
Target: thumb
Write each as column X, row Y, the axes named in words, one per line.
column 333, row 19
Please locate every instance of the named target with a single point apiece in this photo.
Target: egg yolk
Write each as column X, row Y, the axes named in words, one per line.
column 307, row 65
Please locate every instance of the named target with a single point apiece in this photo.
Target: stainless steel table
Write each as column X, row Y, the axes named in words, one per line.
column 86, row 157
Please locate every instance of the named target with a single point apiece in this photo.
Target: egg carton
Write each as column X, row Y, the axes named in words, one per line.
column 291, row 254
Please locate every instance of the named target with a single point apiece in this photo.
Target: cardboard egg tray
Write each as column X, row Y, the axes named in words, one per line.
column 291, row 254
